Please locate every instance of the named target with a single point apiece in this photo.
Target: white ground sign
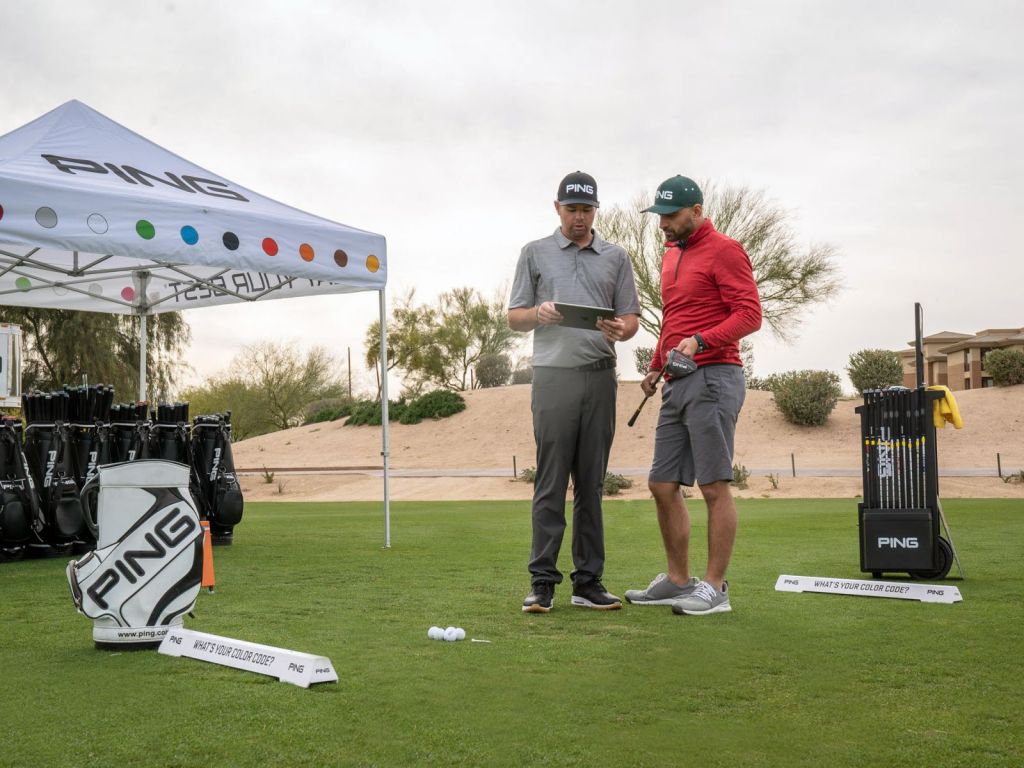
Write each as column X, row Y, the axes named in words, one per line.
column 302, row 669
column 926, row 593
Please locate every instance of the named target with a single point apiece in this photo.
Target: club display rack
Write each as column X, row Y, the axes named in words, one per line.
column 901, row 517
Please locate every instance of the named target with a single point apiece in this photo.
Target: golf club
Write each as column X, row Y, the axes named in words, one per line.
column 636, row 413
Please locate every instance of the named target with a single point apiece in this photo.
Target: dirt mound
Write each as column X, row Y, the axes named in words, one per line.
column 496, row 428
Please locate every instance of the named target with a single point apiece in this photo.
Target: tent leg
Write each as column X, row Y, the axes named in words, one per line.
column 143, row 340
column 385, row 423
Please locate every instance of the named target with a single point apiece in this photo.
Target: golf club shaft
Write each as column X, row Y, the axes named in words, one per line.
column 636, row 413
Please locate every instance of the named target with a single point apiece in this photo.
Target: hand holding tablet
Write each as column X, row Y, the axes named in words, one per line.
column 583, row 316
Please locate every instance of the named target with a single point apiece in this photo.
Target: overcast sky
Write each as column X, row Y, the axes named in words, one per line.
column 892, row 131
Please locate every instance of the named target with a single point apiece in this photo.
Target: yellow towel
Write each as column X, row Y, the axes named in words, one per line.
column 946, row 409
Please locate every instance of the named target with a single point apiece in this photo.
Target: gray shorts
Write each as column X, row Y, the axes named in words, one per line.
column 697, row 425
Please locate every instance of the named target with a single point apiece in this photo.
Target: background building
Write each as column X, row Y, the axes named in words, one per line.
column 958, row 359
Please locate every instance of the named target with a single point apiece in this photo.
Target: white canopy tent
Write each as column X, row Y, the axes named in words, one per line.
column 95, row 217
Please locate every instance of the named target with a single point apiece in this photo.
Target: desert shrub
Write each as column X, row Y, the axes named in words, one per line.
column 766, row 383
column 740, row 475
column 493, row 370
column 527, row 475
column 643, row 356
column 438, row 404
column 1005, row 366
column 615, row 483
column 327, row 410
column 874, row 369
column 368, row 412
column 522, row 375
column 806, row 397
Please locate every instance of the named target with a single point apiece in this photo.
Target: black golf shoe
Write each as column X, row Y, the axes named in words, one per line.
column 540, row 599
column 592, row 594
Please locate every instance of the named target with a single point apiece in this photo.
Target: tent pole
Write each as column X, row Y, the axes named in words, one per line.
column 385, row 423
column 143, row 340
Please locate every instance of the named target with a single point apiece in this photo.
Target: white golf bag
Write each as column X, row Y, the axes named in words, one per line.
column 145, row 572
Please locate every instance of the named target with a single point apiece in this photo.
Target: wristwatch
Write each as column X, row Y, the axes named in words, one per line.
column 701, row 346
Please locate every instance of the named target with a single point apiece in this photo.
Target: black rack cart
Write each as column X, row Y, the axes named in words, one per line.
column 900, row 516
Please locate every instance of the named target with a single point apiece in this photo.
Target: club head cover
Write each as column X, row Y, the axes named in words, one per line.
column 679, row 365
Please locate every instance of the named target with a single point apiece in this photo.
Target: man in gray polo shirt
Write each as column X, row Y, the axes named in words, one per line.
column 574, row 387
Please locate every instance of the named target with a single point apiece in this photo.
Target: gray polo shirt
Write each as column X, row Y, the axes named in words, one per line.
column 556, row 269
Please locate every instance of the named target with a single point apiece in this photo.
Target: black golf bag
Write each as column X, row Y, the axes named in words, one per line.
column 90, row 438
column 19, row 506
column 169, row 434
column 129, row 432
column 146, row 570
column 214, row 484
column 50, row 456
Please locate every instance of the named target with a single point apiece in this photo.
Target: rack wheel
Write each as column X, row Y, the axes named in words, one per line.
column 945, row 563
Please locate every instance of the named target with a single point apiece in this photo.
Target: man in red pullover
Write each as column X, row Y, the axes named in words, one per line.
column 709, row 302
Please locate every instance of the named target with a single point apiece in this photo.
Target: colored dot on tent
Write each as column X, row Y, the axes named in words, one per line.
column 1, row 211
column 372, row 263
column 145, row 229
column 128, row 294
column 189, row 235
column 341, row 258
column 97, row 223
column 95, row 289
column 270, row 246
column 306, row 252
column 46, row 217
column 23, row 284
column 230, row 241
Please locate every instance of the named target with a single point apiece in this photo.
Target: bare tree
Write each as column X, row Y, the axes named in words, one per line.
column 283, row 382
column 789, row 278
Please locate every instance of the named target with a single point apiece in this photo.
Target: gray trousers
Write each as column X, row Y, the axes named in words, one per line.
column 573, row 423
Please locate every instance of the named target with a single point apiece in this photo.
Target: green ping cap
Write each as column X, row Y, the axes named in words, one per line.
column 675, row 194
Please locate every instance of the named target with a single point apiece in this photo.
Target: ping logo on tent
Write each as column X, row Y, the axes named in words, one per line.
column 130, row 175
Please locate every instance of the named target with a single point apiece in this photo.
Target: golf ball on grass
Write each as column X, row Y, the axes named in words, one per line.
column 451, row 634
column 435, row 633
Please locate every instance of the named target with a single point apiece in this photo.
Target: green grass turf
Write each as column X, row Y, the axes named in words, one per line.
column 784, row 680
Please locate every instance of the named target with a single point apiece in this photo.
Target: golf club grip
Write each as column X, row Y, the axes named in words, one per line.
column 636, row 413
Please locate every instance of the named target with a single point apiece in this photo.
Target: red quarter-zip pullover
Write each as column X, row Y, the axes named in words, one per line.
column 707, row 287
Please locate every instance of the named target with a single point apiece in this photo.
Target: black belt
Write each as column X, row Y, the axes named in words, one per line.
column 600, row 365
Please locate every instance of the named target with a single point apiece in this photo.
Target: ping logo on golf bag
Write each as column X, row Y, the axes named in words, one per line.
column 216, row 462
column 90, row 470
column 896, row 542
column 165, row 540
column 51, row 462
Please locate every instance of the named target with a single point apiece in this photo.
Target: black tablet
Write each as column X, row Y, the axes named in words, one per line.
column 582, row 316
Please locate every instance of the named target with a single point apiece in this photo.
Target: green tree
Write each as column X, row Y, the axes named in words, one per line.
column 442, row 344
column 469, row 327
column 790, row 279
column 874, row 369
column 411, row 331
column 219, row 394
column 1006, row 366
column 61, row 346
